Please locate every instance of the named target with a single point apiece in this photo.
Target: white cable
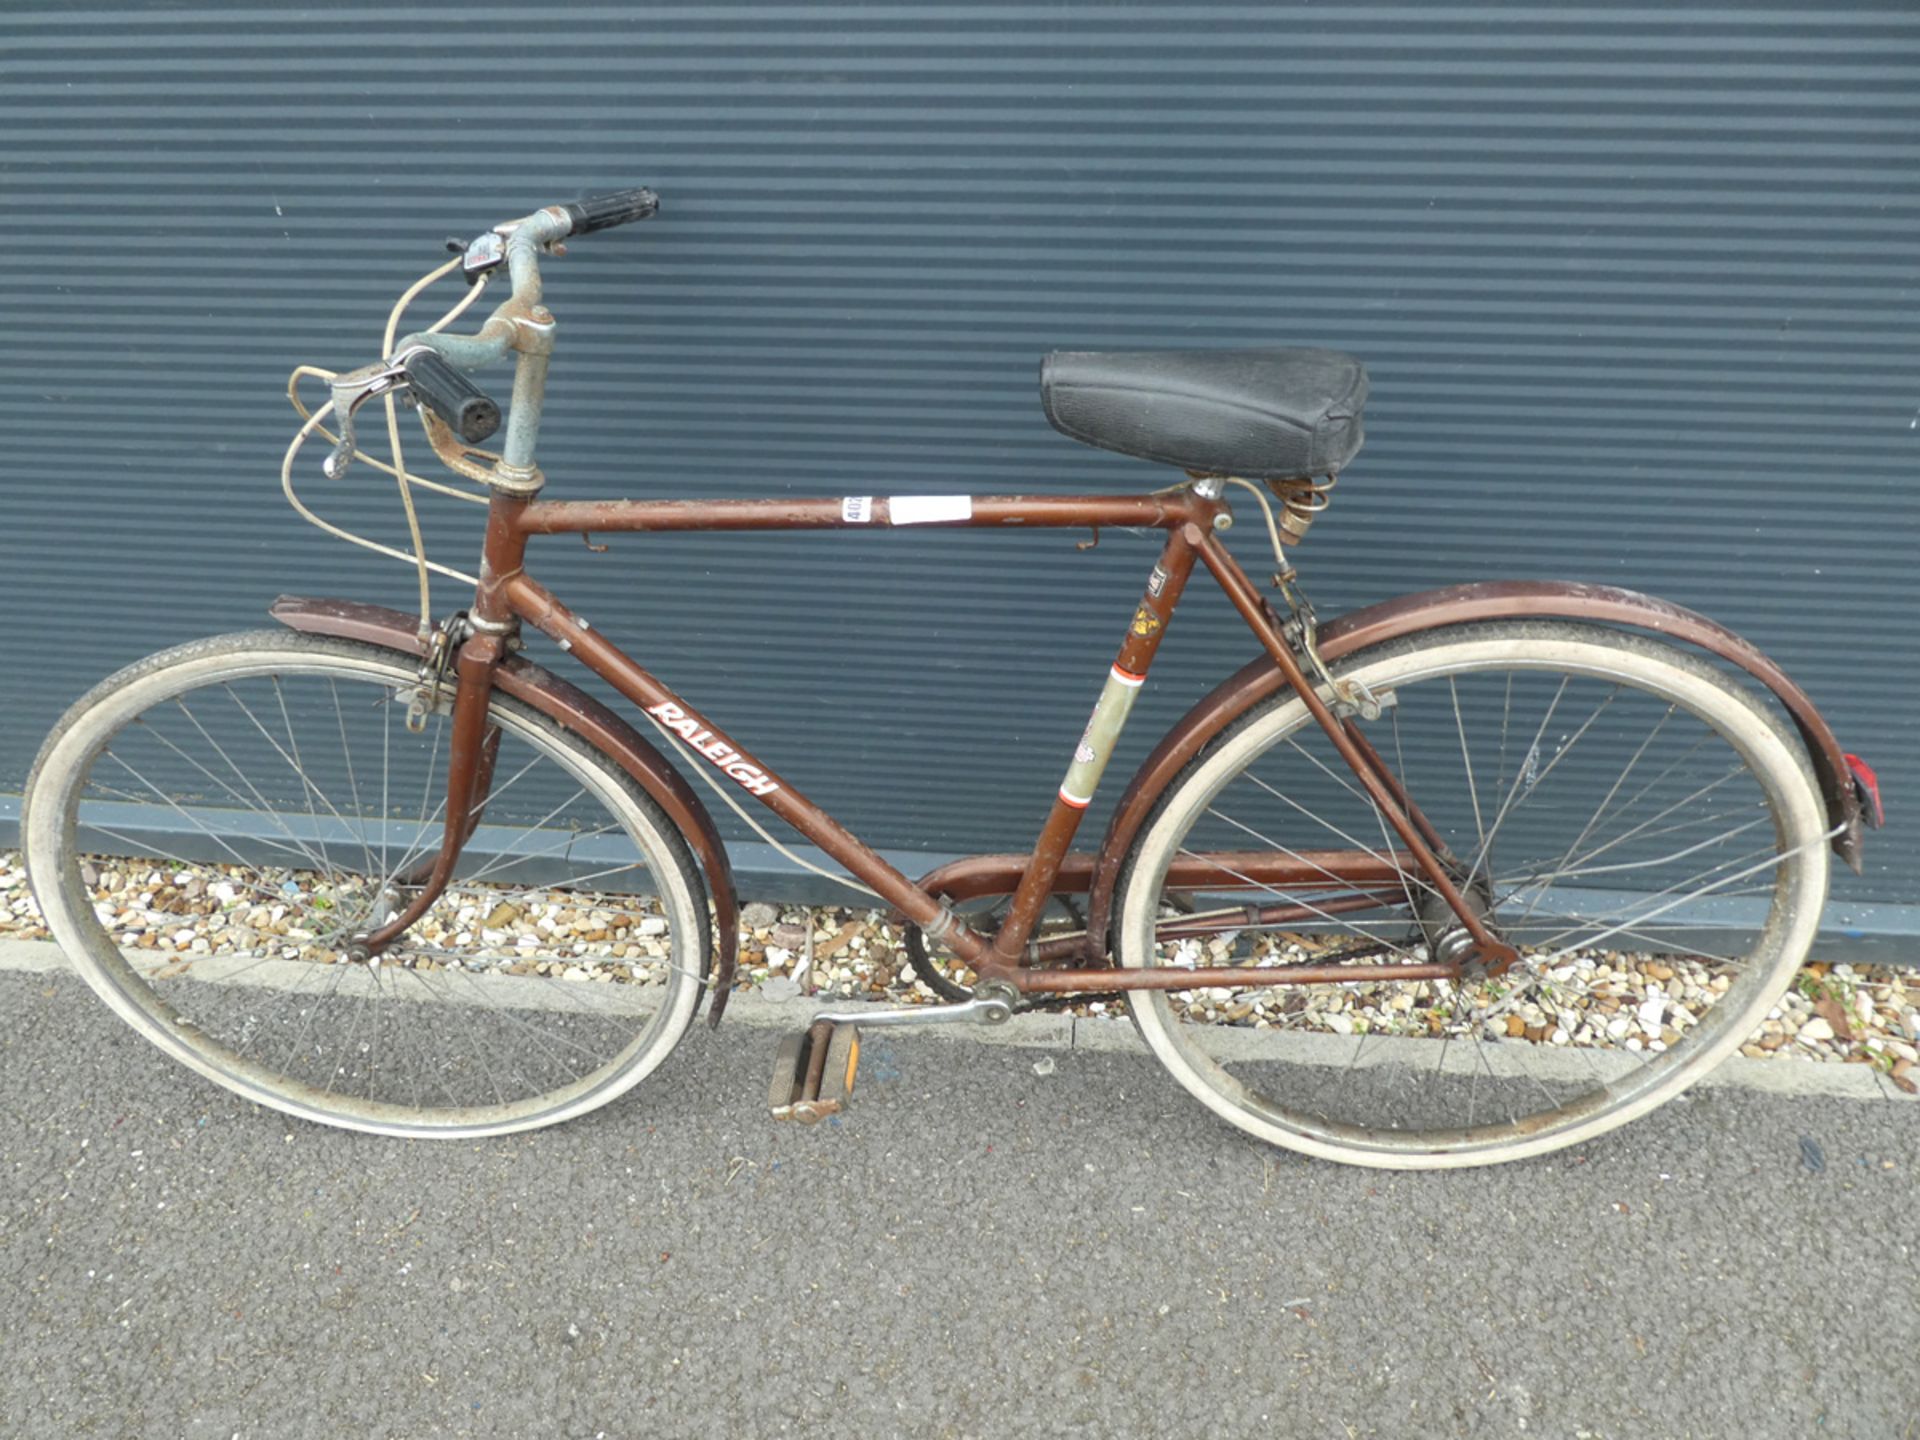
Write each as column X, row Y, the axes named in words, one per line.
column 418, row 557
column 421, row 563
column 286, row 485
column 404, row 478
column 301, row 372
column 1273, row 529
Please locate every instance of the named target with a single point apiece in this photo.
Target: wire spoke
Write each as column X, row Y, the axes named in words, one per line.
column 260, row 801
column 353, row 780
column 1281, row 894
column 1612, row 790
column 1466, row 759
column 1772, row 859
column 307, row 787
column 1328, row 825
column 1485, row 853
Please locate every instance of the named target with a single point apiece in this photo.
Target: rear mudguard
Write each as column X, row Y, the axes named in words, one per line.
column 1430, row 610
column 579, row 712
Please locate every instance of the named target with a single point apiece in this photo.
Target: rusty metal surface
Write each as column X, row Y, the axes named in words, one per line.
column 1068, row 982
column 1050, row 868
column 977, row 875
column 813, row 1072
column 1258, row 614
column 789, row 1075
column 550, row 517
column 1069, row 949
column 533, row 603
column 585, row 716
column 466, row 746
column 501, row 555
column 1391, row 782
column 350, row 620
column 1429, row 610
column 1147, row 628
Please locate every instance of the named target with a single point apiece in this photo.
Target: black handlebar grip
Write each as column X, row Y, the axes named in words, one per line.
column 603, row 212
column 452, row 396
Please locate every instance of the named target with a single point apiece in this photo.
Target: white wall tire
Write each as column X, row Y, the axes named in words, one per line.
column 1772, row 757
column 659, row 1017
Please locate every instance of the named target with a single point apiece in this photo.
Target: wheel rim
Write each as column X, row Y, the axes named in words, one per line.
column 556, row 970
column 1617, row 1003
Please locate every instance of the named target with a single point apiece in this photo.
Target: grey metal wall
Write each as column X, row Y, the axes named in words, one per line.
column 1636, row 288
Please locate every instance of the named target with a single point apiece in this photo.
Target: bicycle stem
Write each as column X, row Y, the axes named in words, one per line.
column 521, row 324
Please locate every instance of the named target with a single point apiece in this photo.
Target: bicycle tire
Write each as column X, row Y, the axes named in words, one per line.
column 1299, row 1081
column 440, row 1001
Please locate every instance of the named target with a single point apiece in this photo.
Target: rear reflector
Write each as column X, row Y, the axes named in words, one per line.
column 1866, row 785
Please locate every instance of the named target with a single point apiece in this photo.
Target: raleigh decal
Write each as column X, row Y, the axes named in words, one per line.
column 729, row 761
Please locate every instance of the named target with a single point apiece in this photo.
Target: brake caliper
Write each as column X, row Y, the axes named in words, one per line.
column 1301, row 629
column 430, row 693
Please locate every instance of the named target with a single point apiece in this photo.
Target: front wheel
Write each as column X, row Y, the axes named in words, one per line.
column 1644, row 833
column 282, row 806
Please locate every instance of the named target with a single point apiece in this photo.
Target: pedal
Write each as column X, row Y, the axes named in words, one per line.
column 813, row 1072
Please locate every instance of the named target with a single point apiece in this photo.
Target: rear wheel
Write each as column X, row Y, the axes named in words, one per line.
column 1646, row 835
column 282, row 806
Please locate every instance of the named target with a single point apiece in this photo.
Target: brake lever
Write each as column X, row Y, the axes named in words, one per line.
column 352, row 390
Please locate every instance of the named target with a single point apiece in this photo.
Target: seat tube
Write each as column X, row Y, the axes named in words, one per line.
column 1145, row 631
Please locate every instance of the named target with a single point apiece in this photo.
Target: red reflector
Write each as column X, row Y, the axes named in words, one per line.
column 1866, row 784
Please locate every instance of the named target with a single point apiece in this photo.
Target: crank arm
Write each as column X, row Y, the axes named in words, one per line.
column 981, row 1010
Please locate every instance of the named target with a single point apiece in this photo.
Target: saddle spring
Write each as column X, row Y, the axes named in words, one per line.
column 1300, row 502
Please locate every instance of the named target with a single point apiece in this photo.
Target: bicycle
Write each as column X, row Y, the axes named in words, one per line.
column 1442, row 971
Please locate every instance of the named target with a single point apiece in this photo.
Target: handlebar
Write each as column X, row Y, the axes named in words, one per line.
column 451, row 395
column 432, row 363
column 618, row 207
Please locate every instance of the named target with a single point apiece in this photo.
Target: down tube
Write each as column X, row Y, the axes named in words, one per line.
column 533, row 603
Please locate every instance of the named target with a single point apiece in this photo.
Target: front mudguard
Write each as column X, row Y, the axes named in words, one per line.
column 1454, row 605
column 579, row 712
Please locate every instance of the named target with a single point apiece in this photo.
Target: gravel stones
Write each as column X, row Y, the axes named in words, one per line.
column 1620, row 1000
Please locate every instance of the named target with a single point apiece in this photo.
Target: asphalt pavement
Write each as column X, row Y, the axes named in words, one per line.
column 973, row 1250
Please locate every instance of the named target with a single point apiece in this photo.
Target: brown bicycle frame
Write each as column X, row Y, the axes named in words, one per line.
column 1192, row 520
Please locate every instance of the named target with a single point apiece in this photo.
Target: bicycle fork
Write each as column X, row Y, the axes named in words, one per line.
column 471, row 753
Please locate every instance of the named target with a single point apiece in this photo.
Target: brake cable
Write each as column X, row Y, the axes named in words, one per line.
column 1304, row 626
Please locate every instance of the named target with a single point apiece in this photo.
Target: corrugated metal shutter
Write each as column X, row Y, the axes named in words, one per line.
column 1636, row 288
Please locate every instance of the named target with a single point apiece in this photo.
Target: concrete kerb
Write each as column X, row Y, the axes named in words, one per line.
column 1058, row 1032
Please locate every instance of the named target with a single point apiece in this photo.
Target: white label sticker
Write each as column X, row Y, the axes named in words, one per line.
column 856, row 509
column 929, row 509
